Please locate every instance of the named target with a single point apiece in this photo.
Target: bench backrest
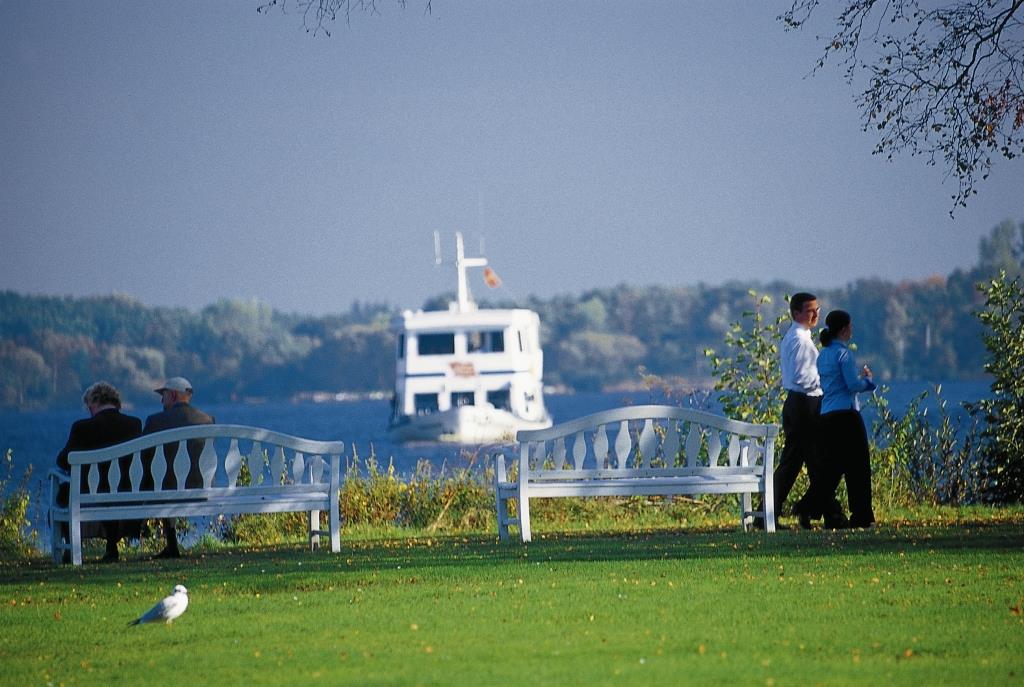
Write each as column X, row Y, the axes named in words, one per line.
column 272, row 460
column 648, row 440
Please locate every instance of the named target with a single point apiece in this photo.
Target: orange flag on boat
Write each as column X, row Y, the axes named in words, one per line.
column 491, row 278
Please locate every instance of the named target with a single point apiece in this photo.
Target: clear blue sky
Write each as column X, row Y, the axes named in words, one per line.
column 183, row 152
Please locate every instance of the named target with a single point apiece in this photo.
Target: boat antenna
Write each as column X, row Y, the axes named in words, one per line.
column 437, row 248
column 465, row 301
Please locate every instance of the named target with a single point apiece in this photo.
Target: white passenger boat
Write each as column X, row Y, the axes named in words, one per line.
column 467, row 375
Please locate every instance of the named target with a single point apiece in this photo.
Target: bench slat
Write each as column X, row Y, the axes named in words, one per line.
column 623, row 445
column 648, row 445
column 640, row 473
column 198, row 494
column 202, row 508
column 579, row 449
column 208, row 463
column 135, row 471
column 670, row 446
column 181, row 466
column 233, row 463
column 158, row 468
column 671, row 488
column 714, row 447
column 694, row 439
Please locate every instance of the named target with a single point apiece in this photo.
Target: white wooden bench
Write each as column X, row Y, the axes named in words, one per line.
column 286, row 474
column 640, row 450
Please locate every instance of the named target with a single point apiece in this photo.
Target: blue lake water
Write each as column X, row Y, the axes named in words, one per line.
column 36, row 437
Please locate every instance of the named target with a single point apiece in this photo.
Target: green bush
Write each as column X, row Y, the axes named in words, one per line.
column 916, row 460
column 462, row 499
column 17, row 539
column 459, row 501
column 1002, row 436
column 748, row 373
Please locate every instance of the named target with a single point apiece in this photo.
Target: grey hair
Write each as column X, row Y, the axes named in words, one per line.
column 102, row 393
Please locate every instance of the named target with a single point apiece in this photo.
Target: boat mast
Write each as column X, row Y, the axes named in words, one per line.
column 465, row 302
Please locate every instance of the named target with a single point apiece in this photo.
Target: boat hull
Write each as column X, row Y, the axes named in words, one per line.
column 465, row 425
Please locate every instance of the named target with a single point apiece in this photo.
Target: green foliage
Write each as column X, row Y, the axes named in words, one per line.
column 917, row 461
column 16, row 537
column 460, row 500
column 264, row 529
column 1002, row 439
column 747, row 374
column 260, row 529
column 371, row 496
column 588, row 359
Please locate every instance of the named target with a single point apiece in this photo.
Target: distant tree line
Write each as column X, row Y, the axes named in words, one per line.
column 52, row 347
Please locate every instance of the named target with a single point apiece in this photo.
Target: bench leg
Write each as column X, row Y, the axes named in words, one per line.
column 524, row 517
column 502, row 508
column 314, row 530
column 335, row 523
column 59, row 544
column 746, row 506
column 58, row 539
column 76, row 542
column 769, row 510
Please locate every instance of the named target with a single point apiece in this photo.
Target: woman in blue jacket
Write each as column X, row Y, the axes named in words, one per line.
column 844, row 439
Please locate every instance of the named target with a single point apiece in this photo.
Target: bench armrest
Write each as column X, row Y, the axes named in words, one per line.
column 500, row 452
column 57, row 477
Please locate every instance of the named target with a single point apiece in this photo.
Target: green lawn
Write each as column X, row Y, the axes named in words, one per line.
column 938, row 601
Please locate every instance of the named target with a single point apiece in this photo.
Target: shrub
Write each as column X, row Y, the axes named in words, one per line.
column 16, row 537
column 372, row 499
column 1002, row 437
column 915, row 460
column 260, row 529
column 458, row 500
column 462, row 500
column 748, row 374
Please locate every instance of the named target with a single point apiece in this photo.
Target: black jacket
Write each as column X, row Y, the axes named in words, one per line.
column 105, row 428
column 178, row 415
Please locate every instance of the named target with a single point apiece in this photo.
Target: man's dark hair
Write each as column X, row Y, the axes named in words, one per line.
column 797, row 300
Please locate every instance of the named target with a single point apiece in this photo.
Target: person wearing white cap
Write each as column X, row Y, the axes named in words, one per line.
column 176, row 396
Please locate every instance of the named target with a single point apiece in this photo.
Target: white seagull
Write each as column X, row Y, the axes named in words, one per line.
column 169, row 608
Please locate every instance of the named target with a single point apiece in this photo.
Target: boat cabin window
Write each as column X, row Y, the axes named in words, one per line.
column 401, row 346
column 500, row 399
column 522, row 346
column 485, row 342
column 425, row 403
column 462, row 398
column 436, row 344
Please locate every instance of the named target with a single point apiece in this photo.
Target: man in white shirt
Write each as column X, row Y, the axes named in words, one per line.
column 798, row 357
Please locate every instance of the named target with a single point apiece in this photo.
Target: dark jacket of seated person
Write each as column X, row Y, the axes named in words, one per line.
column 105, row 428
column 178, row 415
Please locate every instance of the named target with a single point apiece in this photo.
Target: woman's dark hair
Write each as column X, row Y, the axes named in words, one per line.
column 835, row 322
